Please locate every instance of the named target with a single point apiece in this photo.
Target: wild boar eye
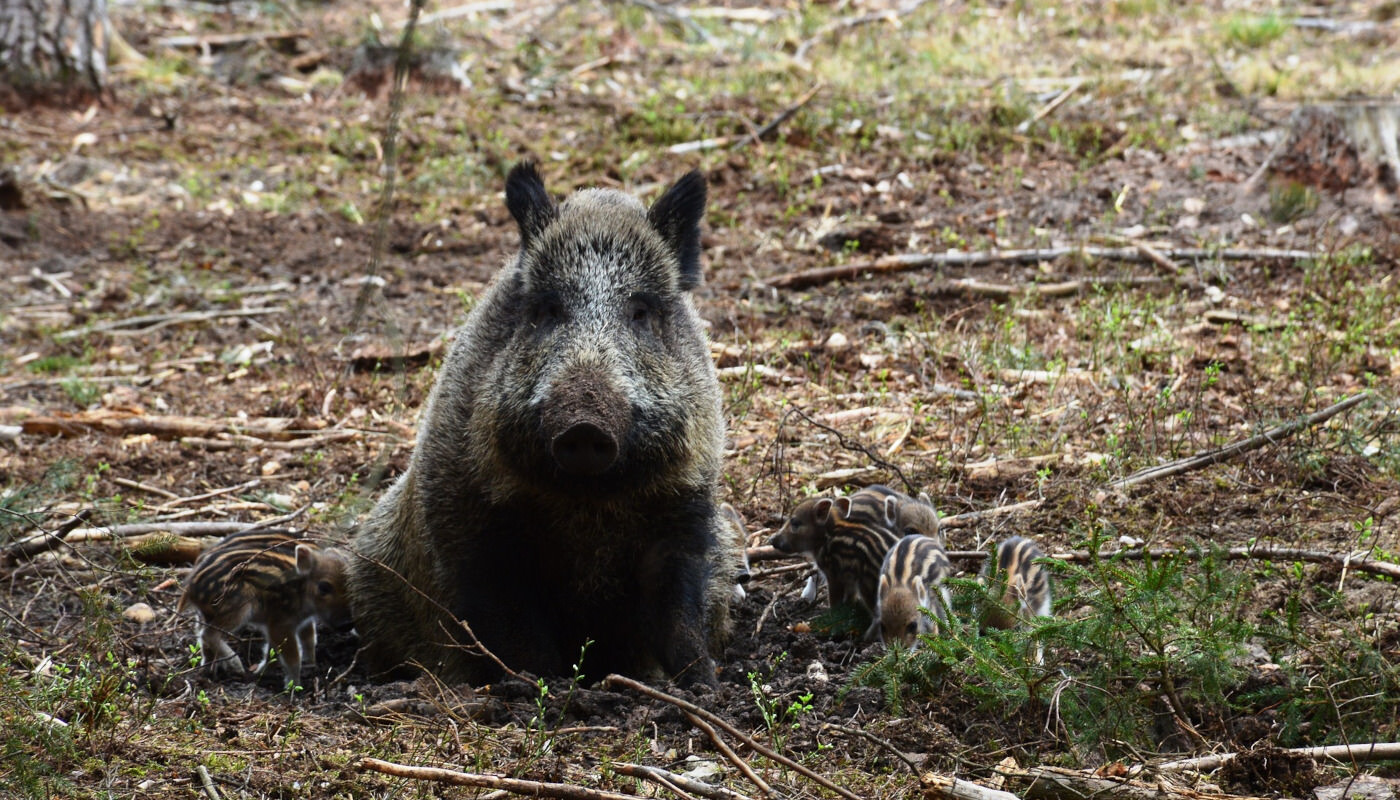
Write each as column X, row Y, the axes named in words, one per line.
column 641, row 314
column 548, row 312
column 324, row 588
column 912, row 629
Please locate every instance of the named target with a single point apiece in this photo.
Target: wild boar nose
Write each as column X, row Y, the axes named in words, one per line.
column 584, row 449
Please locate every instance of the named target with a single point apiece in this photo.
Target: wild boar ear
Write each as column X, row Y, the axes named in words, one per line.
column 891, row 511
column 306, row 559
column 528, row 201
column 676, row 216
column 823, row 510
column 843, row 507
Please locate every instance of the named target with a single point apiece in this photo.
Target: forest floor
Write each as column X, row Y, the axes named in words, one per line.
column 192, row 328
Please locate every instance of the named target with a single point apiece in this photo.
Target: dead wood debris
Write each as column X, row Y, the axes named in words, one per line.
column 516, row 785
column 910, row 261
column 1271, row 436
column 692, row 709
column 674, row 781
column 1358, row 561
column 153, row 322
column 1353, row 753
column 1056, row 783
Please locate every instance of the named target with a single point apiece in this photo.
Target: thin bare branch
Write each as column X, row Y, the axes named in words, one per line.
column 904, row 262
column 688, row 784
column 516, row 785
column 1353, row 753
column 638, row 686
column 1271, row 436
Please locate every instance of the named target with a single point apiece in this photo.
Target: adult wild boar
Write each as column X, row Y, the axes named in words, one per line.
column 562, row 490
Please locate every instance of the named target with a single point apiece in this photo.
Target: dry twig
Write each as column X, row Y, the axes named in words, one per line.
column 516, row 785
column 153, row 322
column 1270, row 436
column 903, row 262
column 726, row 751
column 1258, row 552
column 688, row 784
column 44, row 541
column 691, row 708
column 1354, row 753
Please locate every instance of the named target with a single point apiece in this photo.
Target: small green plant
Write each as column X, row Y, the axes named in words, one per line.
column 539, row 738
column 82, row 393
column 1253, row 32
column 780, row 719
column 1291, row 201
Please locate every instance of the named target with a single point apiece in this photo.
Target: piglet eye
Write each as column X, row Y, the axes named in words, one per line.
column 324, row 588
column 912, row 628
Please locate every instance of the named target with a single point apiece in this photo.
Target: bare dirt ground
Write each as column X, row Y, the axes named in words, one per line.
column 183, row 264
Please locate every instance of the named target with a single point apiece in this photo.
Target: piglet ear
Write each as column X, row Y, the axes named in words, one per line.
column 676, row 216
column 823, row 510
column 528, row 202
column 921, row 591
column 306, row 559
column 891, row 511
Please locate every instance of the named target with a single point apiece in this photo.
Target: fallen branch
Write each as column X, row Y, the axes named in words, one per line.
column 145, row 487
column 877, row 741
column 727, row 752
column 156, row 321
column 1215, row 456
column 242, row 442
column 956, row 789
column 460, row 11
column 207, row 782
column 853, row 21
column 782, row 116
column 1356, row 561
column 126, row 423
column 909, row 261
column 691, row 708
column 1003, row 291
column 179, row 501
column 970, row 518
column 1055, row 783
column 1355, row 753
column 689, row 784
column 218, row 41
column 43, row 542
column 107, row 533
column 516, row 785
column 1049, row 108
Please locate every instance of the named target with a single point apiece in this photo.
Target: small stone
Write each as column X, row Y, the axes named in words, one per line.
column 837, row 342
column 1193, row 205
column 816, row 672
column 140, row 613
column 1215, row 294
column 271, row 468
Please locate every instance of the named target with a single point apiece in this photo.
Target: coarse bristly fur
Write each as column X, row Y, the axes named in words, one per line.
column 1020, row 586
column 562, row 489
column 911, row 581
column 273, row 582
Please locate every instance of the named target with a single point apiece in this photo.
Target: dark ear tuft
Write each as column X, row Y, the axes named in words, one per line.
column 676, row 215
column 528, row 201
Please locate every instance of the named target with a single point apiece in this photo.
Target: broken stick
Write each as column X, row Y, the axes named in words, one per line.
column 691, row 708
column 1270, row 436
column 516, row 785
column 903, row 262
column 1357, row 753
